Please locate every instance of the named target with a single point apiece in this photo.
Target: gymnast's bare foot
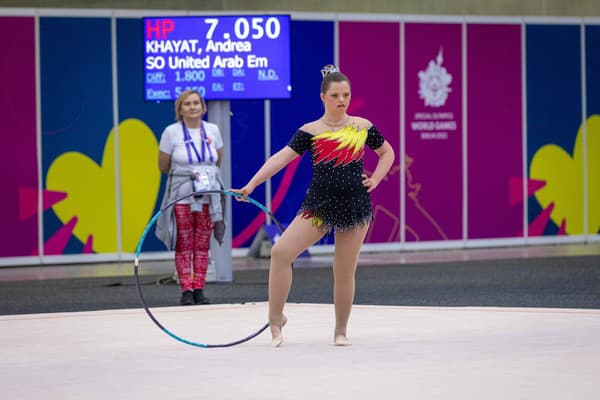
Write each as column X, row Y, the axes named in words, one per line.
column 340, row 339
column 276, row 334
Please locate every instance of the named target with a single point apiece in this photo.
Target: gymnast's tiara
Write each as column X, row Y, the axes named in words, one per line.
column 329, row 69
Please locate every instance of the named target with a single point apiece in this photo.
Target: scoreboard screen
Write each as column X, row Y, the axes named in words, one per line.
column 222, row 57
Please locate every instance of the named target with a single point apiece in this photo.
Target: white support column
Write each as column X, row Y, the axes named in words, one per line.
column 219, row 113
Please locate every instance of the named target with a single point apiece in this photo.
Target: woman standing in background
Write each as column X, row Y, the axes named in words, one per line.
column 190, row 152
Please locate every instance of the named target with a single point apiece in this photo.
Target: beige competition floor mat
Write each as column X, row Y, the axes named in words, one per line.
column 397, row 353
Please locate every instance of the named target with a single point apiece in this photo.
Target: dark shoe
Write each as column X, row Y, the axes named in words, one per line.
column 199, row 297
column 187, row 298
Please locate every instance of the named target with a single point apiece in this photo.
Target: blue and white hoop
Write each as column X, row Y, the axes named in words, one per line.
column 137, row 278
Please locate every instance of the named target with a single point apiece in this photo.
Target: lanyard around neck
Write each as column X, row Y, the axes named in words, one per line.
column 189, row 143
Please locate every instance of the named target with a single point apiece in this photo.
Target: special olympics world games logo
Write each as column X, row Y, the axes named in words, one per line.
column 434, row 83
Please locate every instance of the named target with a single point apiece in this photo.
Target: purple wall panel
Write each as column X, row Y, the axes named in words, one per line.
column 369, row 54
column 433, row 132
column 495, row 147
column 18, row 156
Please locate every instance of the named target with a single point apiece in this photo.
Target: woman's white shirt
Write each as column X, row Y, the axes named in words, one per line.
column 172, row 143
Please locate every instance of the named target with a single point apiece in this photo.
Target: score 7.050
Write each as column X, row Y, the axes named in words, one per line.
column 255, row 27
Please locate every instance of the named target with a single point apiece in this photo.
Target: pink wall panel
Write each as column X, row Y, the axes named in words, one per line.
column 18, row 156
column 369, row 54
column 434, row 183
column 495, row 139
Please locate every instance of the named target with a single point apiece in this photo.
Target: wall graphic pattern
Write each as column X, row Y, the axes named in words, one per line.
column 100, row 183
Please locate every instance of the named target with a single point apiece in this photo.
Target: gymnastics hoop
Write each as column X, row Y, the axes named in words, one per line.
column 137, row 277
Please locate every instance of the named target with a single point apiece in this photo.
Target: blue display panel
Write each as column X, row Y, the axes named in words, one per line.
column 77, row 119
column 592, row 141
column 222, row 57
column 592, row 69
column 247, row 156
column 554, row 117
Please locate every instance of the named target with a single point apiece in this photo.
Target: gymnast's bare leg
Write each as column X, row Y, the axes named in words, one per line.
column 299, row 236
column 345, row 260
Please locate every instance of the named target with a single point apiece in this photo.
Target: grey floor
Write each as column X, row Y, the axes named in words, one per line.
column 518, row 323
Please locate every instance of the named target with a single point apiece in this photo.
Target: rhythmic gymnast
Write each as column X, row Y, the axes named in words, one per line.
column 337, row 199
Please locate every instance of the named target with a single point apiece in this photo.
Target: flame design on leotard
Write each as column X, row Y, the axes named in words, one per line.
column 344, row 145
column 316, row 221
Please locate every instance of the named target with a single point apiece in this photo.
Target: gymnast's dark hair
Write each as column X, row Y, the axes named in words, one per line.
column 331, row 73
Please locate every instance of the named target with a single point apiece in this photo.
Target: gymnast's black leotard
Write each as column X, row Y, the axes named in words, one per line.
column 336, row 198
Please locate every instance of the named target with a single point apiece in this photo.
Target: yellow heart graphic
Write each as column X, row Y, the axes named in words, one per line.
column 91, row 188
column 564, row 177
